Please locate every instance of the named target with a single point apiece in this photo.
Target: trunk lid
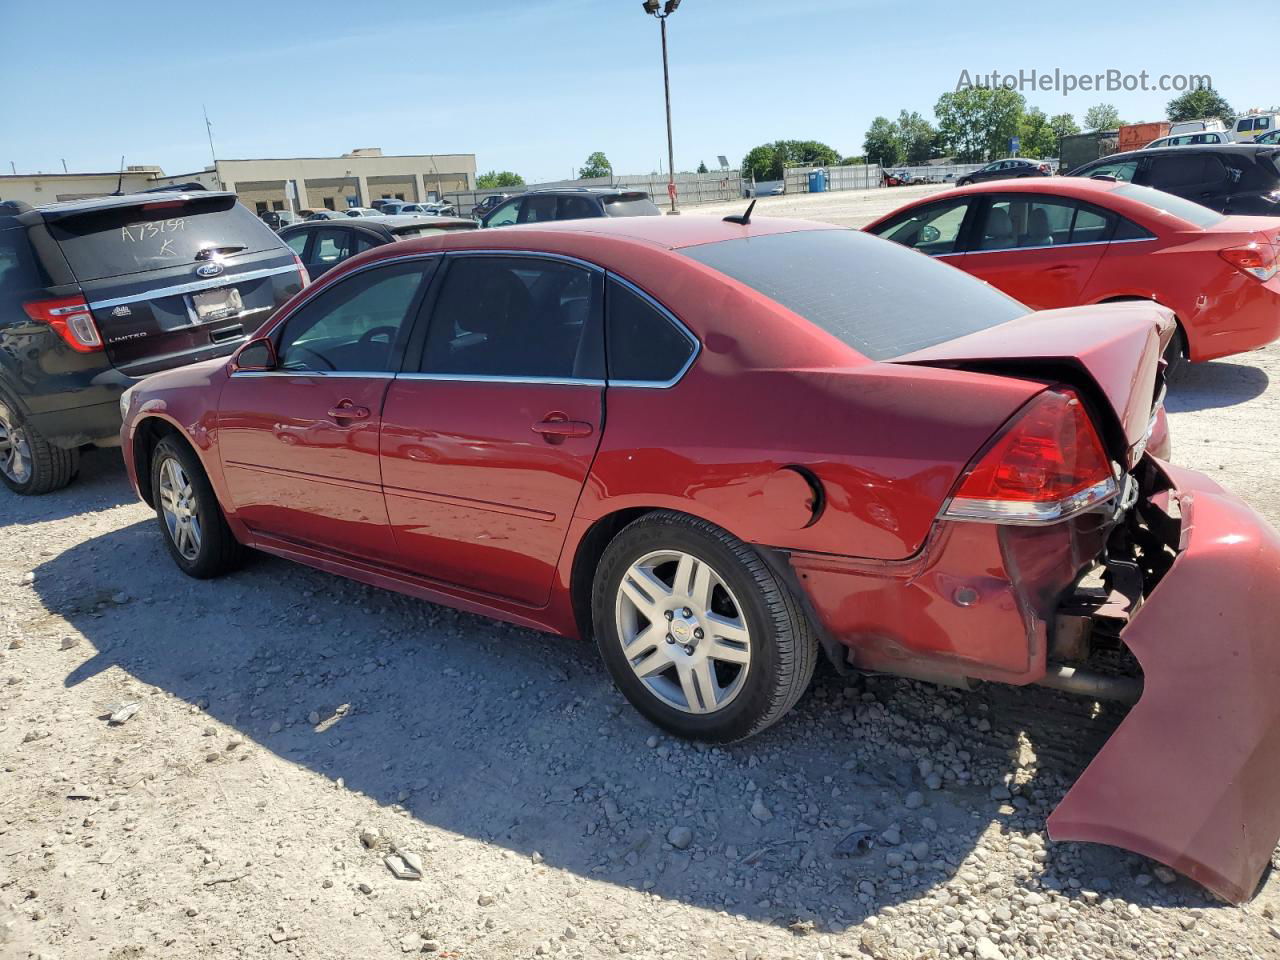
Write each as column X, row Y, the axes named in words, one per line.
column 173, row 279
column 1113, row 350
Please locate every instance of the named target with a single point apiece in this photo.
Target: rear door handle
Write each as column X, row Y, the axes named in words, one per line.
column 555, row 429
column 348, row 411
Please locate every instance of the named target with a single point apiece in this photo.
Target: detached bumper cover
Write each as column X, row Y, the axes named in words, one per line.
column 1191, row 778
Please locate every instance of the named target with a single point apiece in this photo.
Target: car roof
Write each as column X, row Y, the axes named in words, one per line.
column 596, row 191
column 391, row 223
column 1238, row 149
column 62, row 207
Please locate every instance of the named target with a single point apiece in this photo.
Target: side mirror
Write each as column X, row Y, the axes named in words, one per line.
column 256, row 355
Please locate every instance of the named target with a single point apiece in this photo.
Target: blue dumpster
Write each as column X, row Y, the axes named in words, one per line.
column 818, row 181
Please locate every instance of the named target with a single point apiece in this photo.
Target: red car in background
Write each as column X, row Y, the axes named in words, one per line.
column 1063, row 242
column 724, row 448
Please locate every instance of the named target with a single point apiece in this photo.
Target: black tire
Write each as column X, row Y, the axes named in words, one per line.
column 1175, row 354
column 218, row 551
column 783, row 650
column 963, row 183
column 43, row 467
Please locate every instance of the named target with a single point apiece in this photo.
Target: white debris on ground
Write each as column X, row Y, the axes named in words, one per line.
column 284, row 763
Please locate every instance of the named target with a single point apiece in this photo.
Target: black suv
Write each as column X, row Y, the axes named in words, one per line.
column 1232, row 178
column 95, row 294
column 571, row 203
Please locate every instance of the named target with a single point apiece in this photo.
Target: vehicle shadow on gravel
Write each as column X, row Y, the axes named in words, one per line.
column 1207, row 386
column 520, row 740
column 100, row 485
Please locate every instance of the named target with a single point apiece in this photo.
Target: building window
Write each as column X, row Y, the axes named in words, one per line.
column 399, row 196
column 260, row 206
column 328, row 203
column 277, row 204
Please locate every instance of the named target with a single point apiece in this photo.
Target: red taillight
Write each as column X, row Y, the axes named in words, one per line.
column 1257, row 259
column 1048, row 464
column 70, row 318
column 302, row 269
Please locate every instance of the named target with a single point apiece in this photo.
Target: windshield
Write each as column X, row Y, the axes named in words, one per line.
column 878, row 297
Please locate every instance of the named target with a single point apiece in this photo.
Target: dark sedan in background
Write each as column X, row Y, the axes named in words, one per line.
column 1232, row 178
column 323, row 244
column 1006, row 169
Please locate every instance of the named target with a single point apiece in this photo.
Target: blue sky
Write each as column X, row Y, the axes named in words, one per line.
column 534, row 87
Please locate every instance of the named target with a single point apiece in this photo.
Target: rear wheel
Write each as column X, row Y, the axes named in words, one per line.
column 191, row 521
column 696, row 630
column 30, row 464
column 1175, row 354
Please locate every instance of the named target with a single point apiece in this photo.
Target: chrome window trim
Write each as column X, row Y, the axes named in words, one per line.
column 224, row 280
column 535, row 254
column 1052, row 246
column 672, row 319
column 329, row 374
column 484, row 378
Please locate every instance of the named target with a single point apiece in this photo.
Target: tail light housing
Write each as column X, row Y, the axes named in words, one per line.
column 1046, row 465
column 1258, row 259
column 70, row 318
column 302, row 269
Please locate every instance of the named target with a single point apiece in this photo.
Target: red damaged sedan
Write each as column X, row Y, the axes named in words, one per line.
column 723, row 449
column 1068, row 241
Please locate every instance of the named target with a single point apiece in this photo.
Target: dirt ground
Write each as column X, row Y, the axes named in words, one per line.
column 293, row 730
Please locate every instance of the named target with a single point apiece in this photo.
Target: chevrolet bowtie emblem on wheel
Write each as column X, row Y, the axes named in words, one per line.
column 208, row 269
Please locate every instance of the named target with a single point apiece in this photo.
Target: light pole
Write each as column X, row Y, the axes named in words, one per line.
column 651, row 7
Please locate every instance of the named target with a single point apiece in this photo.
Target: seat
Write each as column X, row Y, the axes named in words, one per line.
column 998, row 234
column 1039, row 233
column 493, row 324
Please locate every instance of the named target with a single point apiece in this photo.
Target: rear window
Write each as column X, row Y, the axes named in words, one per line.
column 878, row 297
column 1168, row 203
column 157, row 234
column 630, row 205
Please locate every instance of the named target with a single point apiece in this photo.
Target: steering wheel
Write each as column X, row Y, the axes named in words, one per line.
column 298, row 348
column 929, row 234
column 373, row 332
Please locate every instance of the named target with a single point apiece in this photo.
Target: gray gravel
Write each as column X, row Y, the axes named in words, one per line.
column 295, row 734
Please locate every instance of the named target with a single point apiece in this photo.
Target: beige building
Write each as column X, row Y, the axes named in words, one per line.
column 353, row 179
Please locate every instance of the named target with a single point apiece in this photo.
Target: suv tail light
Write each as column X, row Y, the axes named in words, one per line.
column 1048, row 464
column 70, row 319
column 302, row 269
column 1258, row 259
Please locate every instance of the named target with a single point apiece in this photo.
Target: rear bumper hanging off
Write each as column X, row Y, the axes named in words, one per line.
column 1192, row 775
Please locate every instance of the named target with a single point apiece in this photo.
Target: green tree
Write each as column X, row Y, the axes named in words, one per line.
column 702, row 167
column 917, row 136
column 597, row 166
column 977, row 123
column 770, row 160
column 1199, row 104
column 1102, row 117
column 1037, row 134
column 1064, row 125
column 883, row 142
column 496, row 179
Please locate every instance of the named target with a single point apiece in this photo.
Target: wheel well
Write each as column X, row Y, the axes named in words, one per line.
column 590, row 549
column 1182, row 332
column 149, row 433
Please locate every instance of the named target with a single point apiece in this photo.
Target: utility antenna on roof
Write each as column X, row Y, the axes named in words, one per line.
column 120, row 180
column 745, row 218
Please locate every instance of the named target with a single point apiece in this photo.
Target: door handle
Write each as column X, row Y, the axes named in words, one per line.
column 555, row 428
column 348, row 411
column 1061, row 268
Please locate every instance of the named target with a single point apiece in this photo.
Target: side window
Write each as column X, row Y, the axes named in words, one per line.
column 516, row 317
column 365, row 242
column 298, row 241
column 1262, row 123
column 1122, row 170
column 1091, row 225
column 1029, row 221
column 505, row 215
column 354, row 325
column 934, row 229
column 331, row 246
column 576, row 208
column 1128, row 230
column 538, row 209
column 643, row 344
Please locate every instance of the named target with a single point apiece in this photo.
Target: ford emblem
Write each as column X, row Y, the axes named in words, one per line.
column 208, row 269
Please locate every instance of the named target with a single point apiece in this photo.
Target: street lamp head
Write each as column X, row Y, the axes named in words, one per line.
column 651, row 6
column 670, row 7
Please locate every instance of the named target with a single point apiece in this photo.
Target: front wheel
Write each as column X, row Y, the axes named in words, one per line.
column 697, row 631
column 194, row 529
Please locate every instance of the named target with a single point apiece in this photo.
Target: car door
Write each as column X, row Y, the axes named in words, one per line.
column 490, row 432
column 938, row 229
column 1039, row 249
column 299, row 444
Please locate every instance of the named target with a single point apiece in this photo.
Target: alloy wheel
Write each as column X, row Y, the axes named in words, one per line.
column 15, row 448
column 683, row 632
column 180, row 509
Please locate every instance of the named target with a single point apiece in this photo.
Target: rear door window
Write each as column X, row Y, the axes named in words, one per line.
column 155, row 234
column 879, row 298
column 1091, row 225
column 645, row 346
column 630, row 205
column 538, row 209
column 577, row 208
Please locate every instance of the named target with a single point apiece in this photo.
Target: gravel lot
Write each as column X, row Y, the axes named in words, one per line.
column 293, row 730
